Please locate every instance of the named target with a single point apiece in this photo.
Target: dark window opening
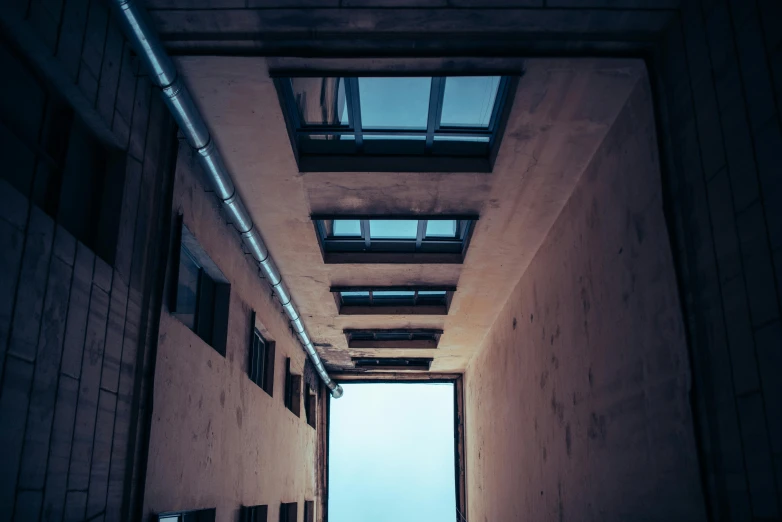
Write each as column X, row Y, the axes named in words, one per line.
column 393, row 363
column 399, row 300
column 394, row 239
column 261, row 364
column 198, row 515
column 309, row 511
column 310, row 409
column 292, row 389
column 54, row 160
column 410, row 338
column 289, row 512
column 254, row 513
column 403, row 123
column 201, row 294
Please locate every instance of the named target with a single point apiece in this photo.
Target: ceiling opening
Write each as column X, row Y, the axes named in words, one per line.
column 392, row 453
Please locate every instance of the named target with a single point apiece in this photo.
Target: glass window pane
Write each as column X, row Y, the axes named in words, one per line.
column 393, row 228
column 394, row 103
column 441, row 228
column 187, row 289
column 393, row 293
column 393, row 137
column 354, row 294
column 436, row 293
column 347, row 228
column 468, row 101
column 320, row 101
column 448, row 137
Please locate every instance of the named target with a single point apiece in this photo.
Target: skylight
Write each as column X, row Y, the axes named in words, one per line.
column 438, row 239
column 422, row 300
column 395, row 117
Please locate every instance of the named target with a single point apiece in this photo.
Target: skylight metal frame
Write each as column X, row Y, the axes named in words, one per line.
column 395, row 155
column 408, row 338
column 390, row 306
column 422, row 249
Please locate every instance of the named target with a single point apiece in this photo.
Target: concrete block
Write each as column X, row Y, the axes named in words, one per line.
column 127, row 222
column 69, row 48
column 121, row 129
column 60, row 448
column 22, row 101
column 89, row 384
column 740, row 338
column 64, row 247
column 88, row 84
column 95, row 37
column 768, row 143
column 709, row 128
column 110, row 71
column 770, row 14
column 102, row 274
column 740, row 157
column 78, row 308
column 13, row 206
column 138, row 126
column 28, row 505
column 32, row 286
column 126, row 88
column 769, row 348
column 11, row 242
column 75, row 506
column 20, row 163
column 45, row 25
column 720, row 39
column 101, row 454
column 757, row 456
column 14, row 400
column 44, row 391
column 758, row 267
column 114, row 335
column 723, row 226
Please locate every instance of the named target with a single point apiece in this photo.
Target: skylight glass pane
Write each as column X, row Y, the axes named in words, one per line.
column 355, row 294
column 393, row 293
column 441, row 228
column 448, row 137
column 347, row 228
column 394, row 103
column 436, row 293
column 393, row 228
column 320, row 101
column 468, row 101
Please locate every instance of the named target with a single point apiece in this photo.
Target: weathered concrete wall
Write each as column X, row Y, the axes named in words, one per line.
column 577, row 404
column 218, row 440
column 72, row 326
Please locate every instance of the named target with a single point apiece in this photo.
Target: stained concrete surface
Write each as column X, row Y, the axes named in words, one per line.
column 561, row 113
column 577, row 404
column 217, row 439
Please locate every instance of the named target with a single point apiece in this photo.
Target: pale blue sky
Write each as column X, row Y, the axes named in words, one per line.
column 391, row 454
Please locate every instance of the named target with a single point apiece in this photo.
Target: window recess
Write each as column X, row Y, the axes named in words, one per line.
column 393, row 300
column 394, row 239
column 254, row 513
column 310, row 411
column 260, row 367
column 292, row 397
column 409, row 338
column 392, row 363
column 395, row 123
column 200, row 295
column 289, row 512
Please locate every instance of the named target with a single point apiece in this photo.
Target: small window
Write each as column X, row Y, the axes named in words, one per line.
column 254, row 513
column 292, row 389
column 261, row 365
column 400, row 300
column 201, row 294
column 392, row 364
column 198, row 515
column 289, row 512
column 395, row 123
column 309, row 511
column 411, row 338
column 398, row 239
column 310, row 410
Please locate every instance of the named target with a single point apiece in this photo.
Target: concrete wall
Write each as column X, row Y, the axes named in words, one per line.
column 218, row 440
column 576, row 405
column 73, row 328
column 720, row 92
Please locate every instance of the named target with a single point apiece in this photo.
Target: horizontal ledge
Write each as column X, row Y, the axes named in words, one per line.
column 349, row 376
column 403, row 288
column 391, row 258
column 394, row 345
column 401, row 217
column 310, row 163
column 393, row 310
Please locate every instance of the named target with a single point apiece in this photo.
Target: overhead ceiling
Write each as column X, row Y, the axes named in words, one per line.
column 562, row 110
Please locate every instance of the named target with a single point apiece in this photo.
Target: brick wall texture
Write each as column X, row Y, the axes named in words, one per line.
column 716, row 66
column 74, row 334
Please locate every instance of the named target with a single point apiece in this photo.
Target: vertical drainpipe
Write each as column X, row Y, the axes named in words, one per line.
column 176, row 96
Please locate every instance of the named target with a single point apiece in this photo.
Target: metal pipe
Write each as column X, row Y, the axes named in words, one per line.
column 192, row 125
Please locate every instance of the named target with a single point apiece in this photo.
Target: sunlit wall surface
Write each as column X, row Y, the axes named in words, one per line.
column 391, row 454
